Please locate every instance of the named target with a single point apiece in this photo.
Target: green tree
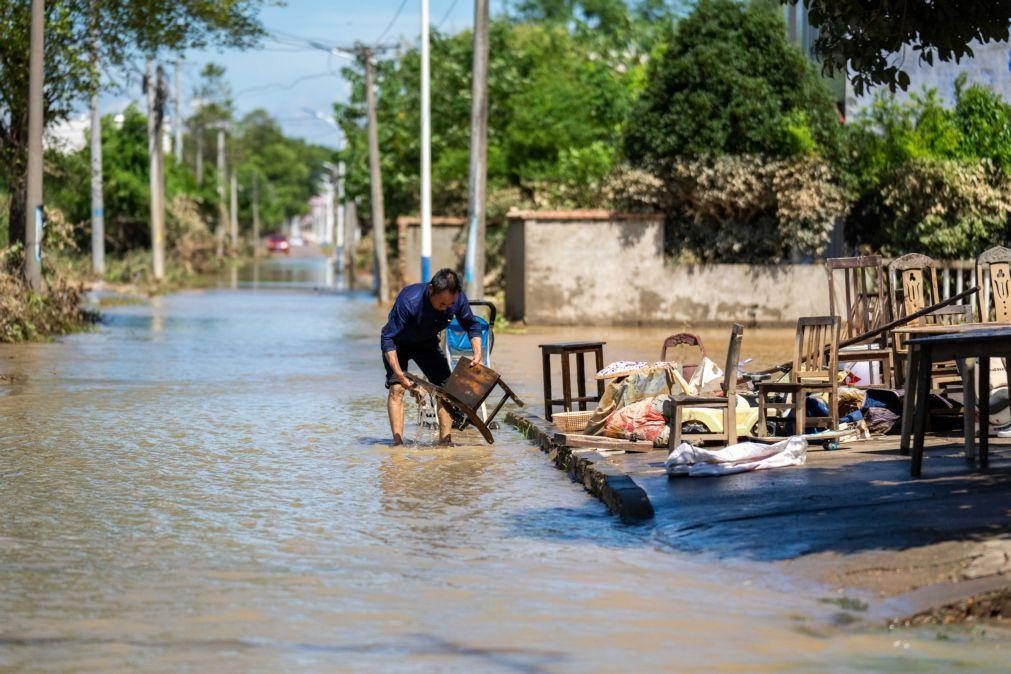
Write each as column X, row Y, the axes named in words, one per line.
column 557, row 103
column 729, row 82
column 126, row 186
column 287, row 171
column 930, row 178
column 125, row 30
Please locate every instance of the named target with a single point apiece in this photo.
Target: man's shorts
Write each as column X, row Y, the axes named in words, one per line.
column 428, row 356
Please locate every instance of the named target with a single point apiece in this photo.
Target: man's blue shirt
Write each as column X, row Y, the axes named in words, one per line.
column 413, row 319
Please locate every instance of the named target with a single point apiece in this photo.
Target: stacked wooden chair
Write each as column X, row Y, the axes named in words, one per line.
column 912, row 283
column 856, row 289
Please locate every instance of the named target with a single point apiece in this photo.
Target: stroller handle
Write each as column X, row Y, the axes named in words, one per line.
column 491, row 307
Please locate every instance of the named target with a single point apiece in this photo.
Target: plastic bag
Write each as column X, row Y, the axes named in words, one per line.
column 707, row 378
column 739, row 458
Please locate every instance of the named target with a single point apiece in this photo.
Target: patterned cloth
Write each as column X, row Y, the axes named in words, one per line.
column 645, row 383
column 643, row 420
column 620, row 368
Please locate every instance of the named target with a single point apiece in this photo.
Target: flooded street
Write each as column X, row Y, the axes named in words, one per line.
column 203, row 484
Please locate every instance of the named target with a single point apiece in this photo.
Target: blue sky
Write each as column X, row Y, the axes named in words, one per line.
column 266, row 77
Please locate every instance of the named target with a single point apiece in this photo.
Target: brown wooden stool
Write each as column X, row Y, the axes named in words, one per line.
column 566, row 349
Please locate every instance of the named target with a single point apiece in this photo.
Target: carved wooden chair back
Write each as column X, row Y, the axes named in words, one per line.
column 912, row 281
column 993, row 277
column 677, row 342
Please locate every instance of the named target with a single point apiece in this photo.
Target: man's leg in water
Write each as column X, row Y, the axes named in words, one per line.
column 445, row 425
column 395, row 408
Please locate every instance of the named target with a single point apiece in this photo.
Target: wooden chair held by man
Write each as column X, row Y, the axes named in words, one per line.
column 856, row 293
column 725, row 401
column 815, row 370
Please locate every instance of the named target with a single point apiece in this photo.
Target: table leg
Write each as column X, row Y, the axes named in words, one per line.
column 969, row 408
column 984, row 410
column 581, row 378
column 599, row 356
column 566, row 383
column 909, row 399
column 546, row 364
column 922, row 387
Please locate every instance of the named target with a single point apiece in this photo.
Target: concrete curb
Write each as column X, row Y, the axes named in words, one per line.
column 608, row 483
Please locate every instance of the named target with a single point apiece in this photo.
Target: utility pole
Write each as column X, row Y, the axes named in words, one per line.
column 198, row 157
column 256, row 213
column 328, row 219
column 155, row 85
column 178, row 147
column 476, row 192
column 352, row 243
column 97, row 200
column 33, row 191
column 378, row 217
column 341, row 236
column 222, row 209
column 426, row 150
column 234, row 214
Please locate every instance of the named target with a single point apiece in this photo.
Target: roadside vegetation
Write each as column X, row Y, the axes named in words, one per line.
column 703, row 111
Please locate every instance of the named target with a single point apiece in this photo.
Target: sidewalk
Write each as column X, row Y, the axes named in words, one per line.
column 852, row 518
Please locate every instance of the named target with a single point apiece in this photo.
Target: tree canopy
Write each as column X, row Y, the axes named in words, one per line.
column 861, row 37
column 557, row 103
column 727, row 81
column 124, row 30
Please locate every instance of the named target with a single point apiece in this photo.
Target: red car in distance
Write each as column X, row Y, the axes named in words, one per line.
column 278, row 243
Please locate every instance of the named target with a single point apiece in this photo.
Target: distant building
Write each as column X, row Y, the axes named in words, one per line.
column 990, row 66
column 71, row 135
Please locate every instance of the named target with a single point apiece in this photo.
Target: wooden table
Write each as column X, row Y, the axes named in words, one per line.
column 564, row 350
column 961, row 344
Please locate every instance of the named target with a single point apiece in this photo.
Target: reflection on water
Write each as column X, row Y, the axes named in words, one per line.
column 198, row 487
column 285, row 273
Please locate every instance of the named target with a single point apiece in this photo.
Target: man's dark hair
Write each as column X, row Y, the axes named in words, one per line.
column 445, row 279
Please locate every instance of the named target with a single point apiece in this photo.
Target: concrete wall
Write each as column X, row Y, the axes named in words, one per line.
column 449, row 245
column 601, row 268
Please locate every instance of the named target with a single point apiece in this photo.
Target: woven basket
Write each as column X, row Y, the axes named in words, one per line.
column 572, row 422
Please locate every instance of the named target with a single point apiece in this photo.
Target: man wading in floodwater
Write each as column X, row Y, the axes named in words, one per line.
column 421, row 312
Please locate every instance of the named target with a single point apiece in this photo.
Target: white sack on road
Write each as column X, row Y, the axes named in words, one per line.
column 739, row 458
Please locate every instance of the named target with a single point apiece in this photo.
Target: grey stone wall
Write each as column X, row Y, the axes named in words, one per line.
column 449, row 245
column 600, row 268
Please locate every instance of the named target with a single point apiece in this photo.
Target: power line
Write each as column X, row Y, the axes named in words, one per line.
column 283, row 85
column 446, row 15
column 390, row 24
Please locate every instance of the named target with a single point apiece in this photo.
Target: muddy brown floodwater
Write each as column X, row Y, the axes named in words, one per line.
column 203, row 484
